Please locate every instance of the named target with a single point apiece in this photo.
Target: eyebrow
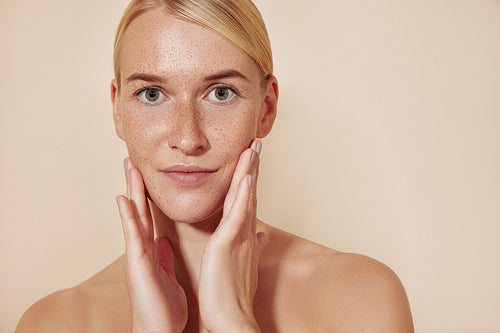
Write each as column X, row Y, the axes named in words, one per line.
column 158, row 79
column 145, row 77
column 225, row 74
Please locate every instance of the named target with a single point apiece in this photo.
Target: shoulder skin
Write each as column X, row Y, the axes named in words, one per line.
column 99, row 304
column 323, row 290
column 62, row 311
column 364, row 295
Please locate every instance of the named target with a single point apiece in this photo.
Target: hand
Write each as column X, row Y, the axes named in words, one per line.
column 229, row 267
column 157, row 300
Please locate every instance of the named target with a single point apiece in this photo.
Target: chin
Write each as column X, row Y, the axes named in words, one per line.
column 191, row 217
column 188, row 204
column 189, row 209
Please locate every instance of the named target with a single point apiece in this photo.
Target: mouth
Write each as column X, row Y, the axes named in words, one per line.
column 187, row 174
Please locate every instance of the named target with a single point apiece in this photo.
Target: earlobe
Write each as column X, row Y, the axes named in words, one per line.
column 116, row 111
column 269, row 107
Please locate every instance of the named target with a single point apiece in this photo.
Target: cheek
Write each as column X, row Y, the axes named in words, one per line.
column 234, row 133
column 141, row 136
column 228, row 132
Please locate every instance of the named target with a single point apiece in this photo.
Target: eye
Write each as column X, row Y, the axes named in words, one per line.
column 221, row 94
column 150, row 95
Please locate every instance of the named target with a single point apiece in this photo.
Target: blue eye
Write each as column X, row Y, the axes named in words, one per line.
column 150, row 95
column 221, row 94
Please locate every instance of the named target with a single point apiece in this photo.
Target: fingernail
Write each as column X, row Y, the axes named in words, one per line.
column 250, row 180
column 259, row 147
column 253, row 156
column 125, row 165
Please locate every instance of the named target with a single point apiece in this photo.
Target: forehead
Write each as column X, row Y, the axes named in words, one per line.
column 156, row 42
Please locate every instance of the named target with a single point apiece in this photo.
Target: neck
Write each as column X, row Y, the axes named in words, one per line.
column 188, row 241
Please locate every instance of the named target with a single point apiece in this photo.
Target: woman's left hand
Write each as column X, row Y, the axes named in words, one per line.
column 229, row 266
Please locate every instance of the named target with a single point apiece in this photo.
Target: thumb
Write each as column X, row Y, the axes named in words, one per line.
column 165, row 254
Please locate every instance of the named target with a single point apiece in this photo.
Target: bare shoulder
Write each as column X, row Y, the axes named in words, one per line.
column 62, row 311
column 366, row 295
column 82, row 308
column 338, row 291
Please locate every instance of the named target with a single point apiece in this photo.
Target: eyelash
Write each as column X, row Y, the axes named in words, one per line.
column 218, row 86
column 224, row 86
column 140, row 91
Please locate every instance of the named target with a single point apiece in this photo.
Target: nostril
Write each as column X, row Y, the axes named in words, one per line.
column 190, row 145
column 187, row 133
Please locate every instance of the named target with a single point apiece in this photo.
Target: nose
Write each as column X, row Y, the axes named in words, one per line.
column 187, row 134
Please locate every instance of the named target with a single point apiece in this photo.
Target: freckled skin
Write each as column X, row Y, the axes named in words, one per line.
column 302, row 286
column 186, row 127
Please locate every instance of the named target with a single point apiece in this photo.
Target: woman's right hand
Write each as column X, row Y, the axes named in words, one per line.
column 158, row 302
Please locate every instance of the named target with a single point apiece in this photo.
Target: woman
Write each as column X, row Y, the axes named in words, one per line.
column 193, row 93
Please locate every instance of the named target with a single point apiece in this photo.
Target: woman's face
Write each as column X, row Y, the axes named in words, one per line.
column 189, row 102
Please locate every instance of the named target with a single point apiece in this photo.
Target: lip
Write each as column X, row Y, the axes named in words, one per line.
column 187, row 174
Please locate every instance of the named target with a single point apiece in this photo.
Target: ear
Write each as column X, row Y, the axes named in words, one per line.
column 269, row 107
column 116, row 110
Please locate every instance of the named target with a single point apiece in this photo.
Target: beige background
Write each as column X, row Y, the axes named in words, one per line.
column 387, row 143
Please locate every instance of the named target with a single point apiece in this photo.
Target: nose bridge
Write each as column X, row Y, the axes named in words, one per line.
column 187, row 133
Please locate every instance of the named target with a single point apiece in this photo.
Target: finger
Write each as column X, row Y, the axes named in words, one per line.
column 242, row 168
column 140, row 203
column 165, row 254
column 255, row 162
column 126, row 166
column 235, row 219
column 252, row 221
column 133, row 239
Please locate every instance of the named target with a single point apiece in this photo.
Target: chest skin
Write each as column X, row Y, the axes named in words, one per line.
column 275, row 311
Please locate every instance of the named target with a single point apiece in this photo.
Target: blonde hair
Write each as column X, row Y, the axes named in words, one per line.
column 237, row 20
